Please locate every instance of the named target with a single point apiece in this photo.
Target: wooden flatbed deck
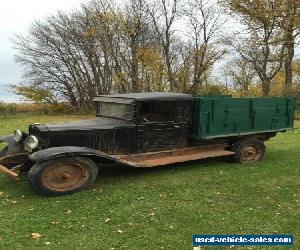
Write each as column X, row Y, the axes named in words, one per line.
column 160, row 158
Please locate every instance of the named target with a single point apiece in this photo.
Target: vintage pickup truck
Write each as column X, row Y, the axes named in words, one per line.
column 143, row 130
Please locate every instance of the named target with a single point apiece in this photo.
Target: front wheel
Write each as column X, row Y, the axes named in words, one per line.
column 62, row 176
column 249, row 151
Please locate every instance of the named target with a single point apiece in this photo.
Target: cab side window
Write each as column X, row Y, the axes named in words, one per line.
column 156, row 112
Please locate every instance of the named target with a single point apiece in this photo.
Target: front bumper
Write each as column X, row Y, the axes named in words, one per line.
column 13, row 157
column 13, row 165
column 13, row 173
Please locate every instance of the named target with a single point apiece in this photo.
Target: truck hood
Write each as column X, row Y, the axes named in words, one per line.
column 94, row 124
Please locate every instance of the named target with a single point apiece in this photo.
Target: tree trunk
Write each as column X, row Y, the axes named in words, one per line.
column 290, row 51
column 170, row 73
column 266, row 87
column 134, row 70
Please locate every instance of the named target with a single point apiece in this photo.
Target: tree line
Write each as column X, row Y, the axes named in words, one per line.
column 107, row 47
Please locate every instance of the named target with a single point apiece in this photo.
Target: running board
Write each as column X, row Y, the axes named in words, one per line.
column 160, row 158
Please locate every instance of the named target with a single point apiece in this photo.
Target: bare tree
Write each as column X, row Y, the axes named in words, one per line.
column 164, row 14
column 107, row 32
column 262, row 45
column 42, row 54
column 113, row 47
column 205, row 31
column 137, row 35
column 241, row 74
column 290, row 12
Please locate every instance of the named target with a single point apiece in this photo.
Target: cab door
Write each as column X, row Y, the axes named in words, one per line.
column 157, row 127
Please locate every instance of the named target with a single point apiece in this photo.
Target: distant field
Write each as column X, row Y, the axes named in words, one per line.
column 10, row 123
column 158, row 208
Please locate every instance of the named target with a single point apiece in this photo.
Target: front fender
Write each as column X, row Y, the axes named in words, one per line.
column 57, row 152
column 12, row 147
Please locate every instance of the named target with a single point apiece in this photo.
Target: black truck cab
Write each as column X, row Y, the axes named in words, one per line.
column 126, row 123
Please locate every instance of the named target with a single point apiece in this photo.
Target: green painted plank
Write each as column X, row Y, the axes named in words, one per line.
column 226, row 116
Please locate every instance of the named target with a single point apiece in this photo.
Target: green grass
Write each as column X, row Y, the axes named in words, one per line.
column 158, row 208
column 10, row 123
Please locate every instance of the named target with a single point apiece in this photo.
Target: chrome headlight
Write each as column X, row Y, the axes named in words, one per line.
column 33, row 142
column 18, row 136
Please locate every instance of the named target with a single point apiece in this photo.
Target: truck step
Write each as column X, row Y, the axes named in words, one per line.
column 160, row 158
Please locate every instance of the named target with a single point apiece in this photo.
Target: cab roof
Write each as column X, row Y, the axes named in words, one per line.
column 147, row 96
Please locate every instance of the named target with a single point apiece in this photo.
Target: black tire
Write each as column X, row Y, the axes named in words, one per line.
column 249, row 151
column 62, row 176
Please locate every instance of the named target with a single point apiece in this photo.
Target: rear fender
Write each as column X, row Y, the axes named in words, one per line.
column 58, row 152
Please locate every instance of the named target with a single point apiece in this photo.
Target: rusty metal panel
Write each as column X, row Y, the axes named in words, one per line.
column 160, row 158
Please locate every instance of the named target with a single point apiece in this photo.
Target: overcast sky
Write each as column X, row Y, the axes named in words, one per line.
column 16, row 17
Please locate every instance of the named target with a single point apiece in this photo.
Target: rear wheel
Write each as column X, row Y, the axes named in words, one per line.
column 249, row 151
column 62, row 176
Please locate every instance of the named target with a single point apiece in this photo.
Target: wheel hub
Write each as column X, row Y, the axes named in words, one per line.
column 65, row 176
column 250, row 153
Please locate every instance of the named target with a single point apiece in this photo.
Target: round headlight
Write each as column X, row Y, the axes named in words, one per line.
column 18, row 136
column 33, row 142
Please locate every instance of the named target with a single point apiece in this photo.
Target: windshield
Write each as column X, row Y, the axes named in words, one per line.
column 116, row 110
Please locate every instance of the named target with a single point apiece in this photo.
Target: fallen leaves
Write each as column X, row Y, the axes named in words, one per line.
column 197, row 248
column 36, row 236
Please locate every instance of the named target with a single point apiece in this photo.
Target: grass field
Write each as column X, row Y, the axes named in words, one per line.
column 159, row 208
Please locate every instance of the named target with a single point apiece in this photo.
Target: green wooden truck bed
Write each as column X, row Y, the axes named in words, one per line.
column 216, row 117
